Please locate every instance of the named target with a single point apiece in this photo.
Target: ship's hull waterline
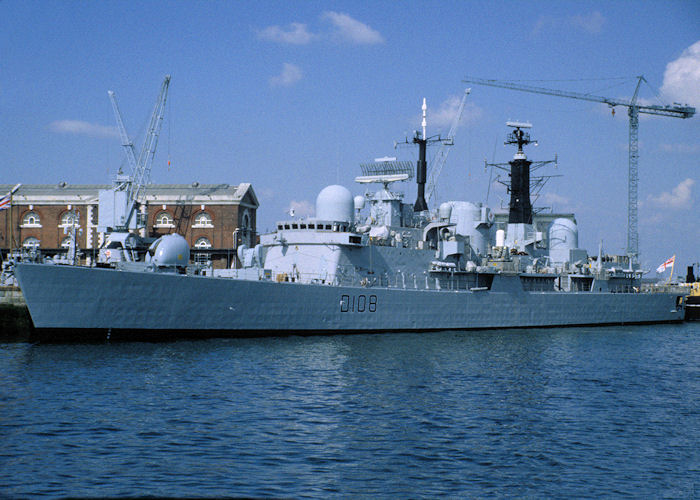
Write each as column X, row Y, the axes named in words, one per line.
column 102, row 301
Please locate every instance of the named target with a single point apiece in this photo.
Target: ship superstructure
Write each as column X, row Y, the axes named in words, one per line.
column 377, row 239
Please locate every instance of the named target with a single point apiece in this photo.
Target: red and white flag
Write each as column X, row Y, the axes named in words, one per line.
column 6, row 200
column 668, row 263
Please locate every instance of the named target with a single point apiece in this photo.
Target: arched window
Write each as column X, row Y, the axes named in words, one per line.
column 202, row 243
column 202, row 219
column 164, row 219
column 31, row 243
column 68, row 219
column 246, row 229
column 31, row 219
column 202, row 257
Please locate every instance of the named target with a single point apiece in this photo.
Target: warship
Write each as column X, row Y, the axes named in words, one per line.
column 364, row 263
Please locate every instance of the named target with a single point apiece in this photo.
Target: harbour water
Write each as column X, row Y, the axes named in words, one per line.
column 557, row 413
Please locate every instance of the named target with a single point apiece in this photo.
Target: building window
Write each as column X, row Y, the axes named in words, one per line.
column 31, row 219
column 202, row 243
column 31, row 243
column 202, row 257
column 202, row 219
column 164, row 219
column 247, row 230
column 68, row 219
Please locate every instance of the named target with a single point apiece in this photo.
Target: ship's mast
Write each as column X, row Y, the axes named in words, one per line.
column 422, row 166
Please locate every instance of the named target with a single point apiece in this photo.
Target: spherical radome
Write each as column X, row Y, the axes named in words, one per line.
column 335, row 203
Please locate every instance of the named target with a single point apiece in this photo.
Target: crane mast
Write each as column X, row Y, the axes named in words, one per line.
column 142, row 175
column 633, row 110
column 441, row 156
column 118, row 218
column 126, row 142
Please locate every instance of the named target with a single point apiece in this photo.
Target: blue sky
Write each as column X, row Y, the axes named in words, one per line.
column 292, row 96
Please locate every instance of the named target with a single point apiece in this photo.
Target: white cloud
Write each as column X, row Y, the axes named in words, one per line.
column 266, row 193
column 554, row 199
column 592, row 23
column 680, row 148
column 295, row 34
column 682, row 77
column 680, row 196
column 289, row 76
column 446, row 113
column 301, row 208
column 77, row 127
column 352, row 30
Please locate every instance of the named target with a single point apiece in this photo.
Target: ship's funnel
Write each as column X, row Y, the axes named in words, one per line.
column 520, row 206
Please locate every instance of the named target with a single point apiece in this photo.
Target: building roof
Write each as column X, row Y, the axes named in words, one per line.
column 241, row 194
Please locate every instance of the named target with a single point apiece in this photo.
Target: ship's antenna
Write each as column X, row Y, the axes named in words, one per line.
column 424, row 123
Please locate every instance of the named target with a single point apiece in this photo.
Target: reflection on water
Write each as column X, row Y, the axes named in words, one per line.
column 556, row 413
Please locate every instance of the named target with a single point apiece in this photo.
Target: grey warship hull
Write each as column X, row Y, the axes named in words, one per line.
column 75, row 301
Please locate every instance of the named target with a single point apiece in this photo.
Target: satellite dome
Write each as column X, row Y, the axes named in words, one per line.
column 335, row 203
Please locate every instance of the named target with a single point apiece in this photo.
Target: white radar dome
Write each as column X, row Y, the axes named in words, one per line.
column 445, row 211
column 359, row 201
column 335, row 203
column 170, row 250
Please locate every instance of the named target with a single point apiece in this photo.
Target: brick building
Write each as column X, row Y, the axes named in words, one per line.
column 209, row 216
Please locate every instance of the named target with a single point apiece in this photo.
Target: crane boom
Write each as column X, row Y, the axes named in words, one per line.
column 118, row 208
column 126, row 142
column 441, row 156
column 675, row 111
column 142, row 175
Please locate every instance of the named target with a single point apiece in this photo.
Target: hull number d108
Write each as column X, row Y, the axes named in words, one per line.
column 358, row 303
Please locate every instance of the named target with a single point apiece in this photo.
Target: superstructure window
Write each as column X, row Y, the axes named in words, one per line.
column 65, row 242
column 31, row 219
column 203, row 219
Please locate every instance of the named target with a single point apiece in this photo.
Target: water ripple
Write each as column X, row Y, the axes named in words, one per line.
column 588, row 412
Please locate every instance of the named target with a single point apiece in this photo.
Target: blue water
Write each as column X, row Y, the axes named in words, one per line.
column 559, row 413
